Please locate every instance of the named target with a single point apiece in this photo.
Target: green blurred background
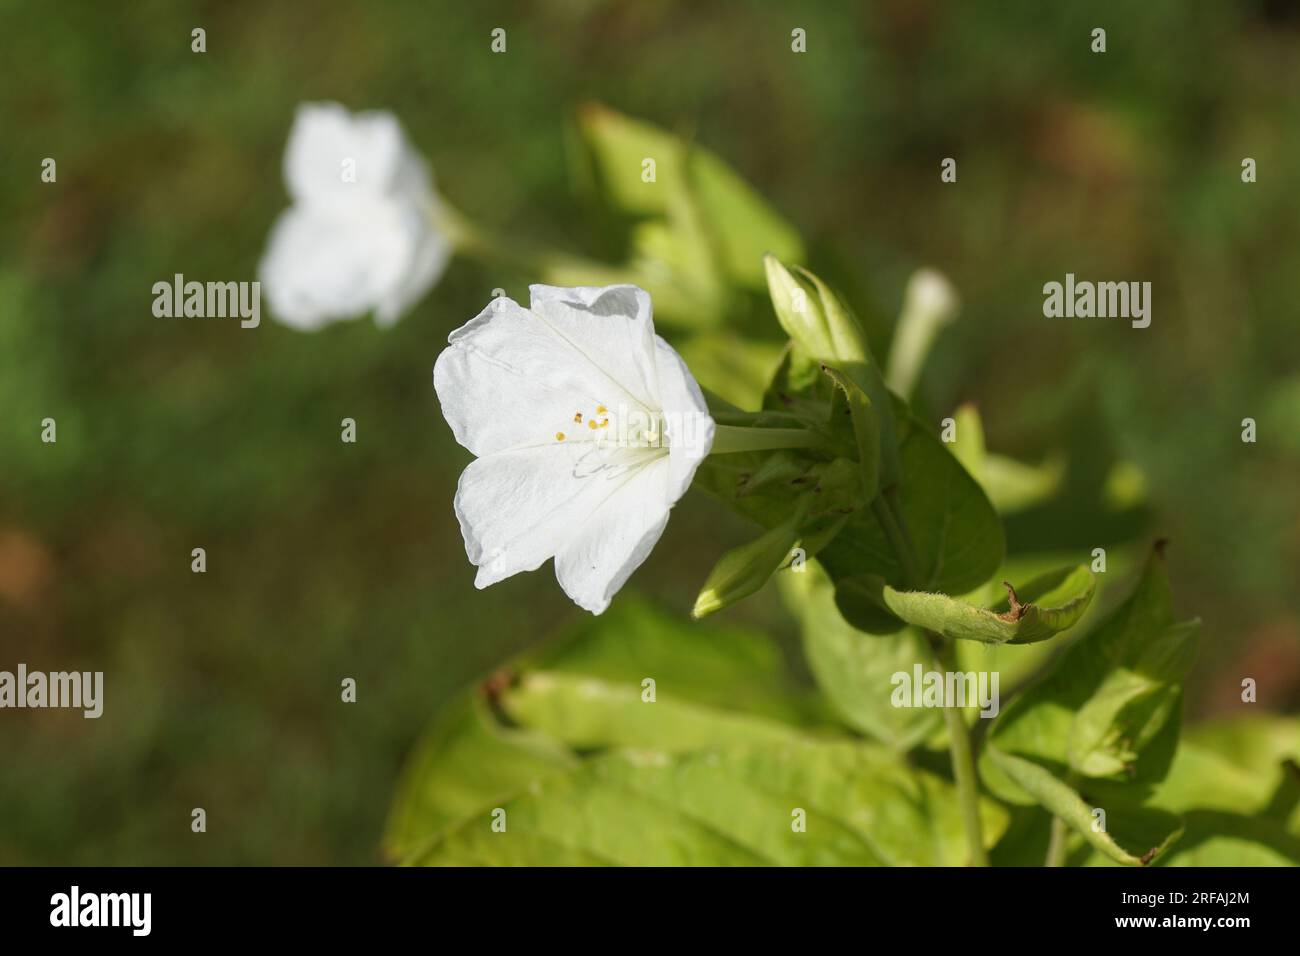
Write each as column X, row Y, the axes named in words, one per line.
column 328, row 560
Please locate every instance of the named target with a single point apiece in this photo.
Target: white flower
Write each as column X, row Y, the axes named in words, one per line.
column 587, row 426
column 360, row 233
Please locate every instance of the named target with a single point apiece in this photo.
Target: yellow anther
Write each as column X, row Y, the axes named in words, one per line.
column 559, row 436
column 605, row 423
column 601, row 409
column 577, row 417
column 592, row 424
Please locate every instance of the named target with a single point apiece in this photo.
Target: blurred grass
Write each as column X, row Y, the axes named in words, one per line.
column 329, row 561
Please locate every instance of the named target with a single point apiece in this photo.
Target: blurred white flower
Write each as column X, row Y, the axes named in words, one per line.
column 587, row 426
column 360, row 234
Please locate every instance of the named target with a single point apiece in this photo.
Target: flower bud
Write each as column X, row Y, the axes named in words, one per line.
column 822, row 327
column 782, row 466
column 929, row 304
column 743, row 570
column 813, row 316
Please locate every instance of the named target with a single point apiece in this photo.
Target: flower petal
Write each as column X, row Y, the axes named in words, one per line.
column 610, row 325
column 508, row 380
column 428, row 262
column 325, row 136
column 324, row 264
column 689, row 426
column 617, row 537
column 519, row 507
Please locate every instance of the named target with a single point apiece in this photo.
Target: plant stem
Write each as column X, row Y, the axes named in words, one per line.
column 736, row 438
column 887, row 508
column 1056, row 845
column 963, row 764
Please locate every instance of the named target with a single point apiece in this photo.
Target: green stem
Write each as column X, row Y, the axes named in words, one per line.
column 963, row 766
column 1056, row 844
column 887, row 509
column 728, row 439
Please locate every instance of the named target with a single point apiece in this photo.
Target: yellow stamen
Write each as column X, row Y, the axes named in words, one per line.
column 601, row 409
column 592, row 424
column 578, row 417
column 605, row 423
column 559, row 436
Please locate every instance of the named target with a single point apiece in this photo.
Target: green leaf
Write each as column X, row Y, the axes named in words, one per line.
column 1021, row 663
column 1202, row 778
column 584, row 713
column 733, row 366
column 708, row 773
column 1130, row 707
column 854, row 670
column 1231, row 839
column 1015, row 486
column 465, row 761
column 956, row 533
column 1045, row 607
column 1256, row 748
column 1236, row 784
column 860, row 600
column 716, row 664
column 1131, row 836
column 668, row 260
column 742, row 225
column 1106, row 719
column 1011, row 485
column 866, row 430
column 724, row 806
column 1233, row 816
column 1109, row 708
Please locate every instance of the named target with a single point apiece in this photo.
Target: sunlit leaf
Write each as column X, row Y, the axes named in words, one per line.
column 742, row 224
column 853, row 669
column 465, row 761
column 1011, row 485
column 1043, row 608
column 713, row 663
column 736, row 368
column 1131, row 836
column 1110, row 706
column 855, row 805
column 585, row 713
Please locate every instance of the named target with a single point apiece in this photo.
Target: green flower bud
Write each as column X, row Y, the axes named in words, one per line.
column 821, row 326
column 780, row 467
column 929, row 304
column 813, row 316
column 743, row 570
